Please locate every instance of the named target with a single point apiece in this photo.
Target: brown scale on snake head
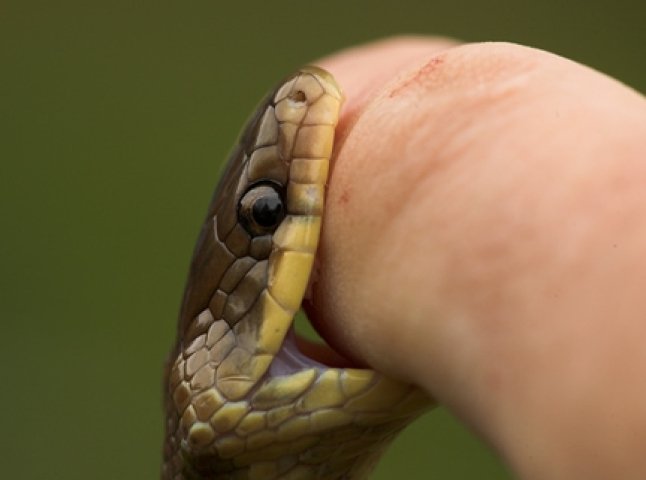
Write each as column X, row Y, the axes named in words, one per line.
column 242, row 402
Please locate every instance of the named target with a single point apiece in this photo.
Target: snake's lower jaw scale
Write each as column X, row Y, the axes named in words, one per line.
column 242, row 401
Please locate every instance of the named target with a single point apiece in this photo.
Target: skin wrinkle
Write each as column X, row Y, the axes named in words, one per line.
column 511, row 310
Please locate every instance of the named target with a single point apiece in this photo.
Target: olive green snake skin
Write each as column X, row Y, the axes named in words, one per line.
column 241, row 401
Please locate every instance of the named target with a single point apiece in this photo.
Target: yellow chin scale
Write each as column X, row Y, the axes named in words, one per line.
column 240, row 402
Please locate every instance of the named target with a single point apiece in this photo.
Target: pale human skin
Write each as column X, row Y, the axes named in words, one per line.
column 485, row 238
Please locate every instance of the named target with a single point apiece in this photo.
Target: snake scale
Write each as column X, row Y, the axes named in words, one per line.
column 241, row 401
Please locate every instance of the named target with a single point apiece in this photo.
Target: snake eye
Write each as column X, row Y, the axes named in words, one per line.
column 261, row 209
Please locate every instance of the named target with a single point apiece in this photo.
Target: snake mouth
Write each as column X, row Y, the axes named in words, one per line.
column 322, row 353
column 298, row 352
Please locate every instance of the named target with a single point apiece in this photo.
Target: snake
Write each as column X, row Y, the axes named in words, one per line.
column 242, row 401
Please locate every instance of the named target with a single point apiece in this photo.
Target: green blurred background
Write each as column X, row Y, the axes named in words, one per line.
column 115, row 116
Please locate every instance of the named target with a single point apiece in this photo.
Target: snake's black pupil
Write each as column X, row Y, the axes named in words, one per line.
column 267, row 211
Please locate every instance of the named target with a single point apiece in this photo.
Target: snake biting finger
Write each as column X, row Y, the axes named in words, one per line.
column 241, row 400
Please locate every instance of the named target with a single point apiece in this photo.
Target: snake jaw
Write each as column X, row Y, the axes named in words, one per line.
column 243, row 402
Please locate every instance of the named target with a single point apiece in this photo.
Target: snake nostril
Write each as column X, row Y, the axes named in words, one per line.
column 298, row 96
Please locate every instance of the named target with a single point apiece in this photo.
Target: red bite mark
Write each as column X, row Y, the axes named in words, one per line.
column 344, row 198
column 419, row 76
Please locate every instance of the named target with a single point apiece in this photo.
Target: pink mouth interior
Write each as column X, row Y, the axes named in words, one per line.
column 298, row 353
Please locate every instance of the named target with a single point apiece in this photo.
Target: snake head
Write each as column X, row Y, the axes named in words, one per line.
column 241, row 400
